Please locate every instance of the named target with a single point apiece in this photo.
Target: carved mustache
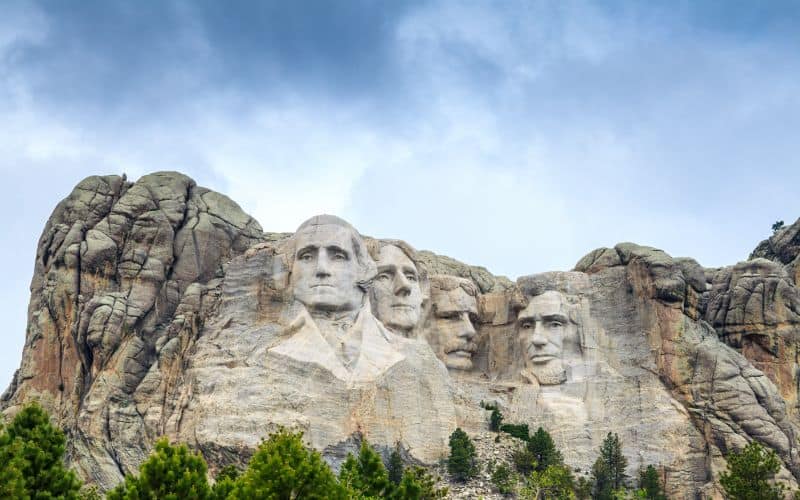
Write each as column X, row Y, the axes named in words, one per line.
column 462, row 346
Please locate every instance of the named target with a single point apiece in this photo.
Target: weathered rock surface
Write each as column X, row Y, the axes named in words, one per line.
column 160, row 308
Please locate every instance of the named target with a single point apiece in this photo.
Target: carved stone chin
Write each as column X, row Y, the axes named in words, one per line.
column 551, row 374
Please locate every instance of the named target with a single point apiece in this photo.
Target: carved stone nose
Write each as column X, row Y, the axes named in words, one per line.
column 538, row 339
column 468, row 330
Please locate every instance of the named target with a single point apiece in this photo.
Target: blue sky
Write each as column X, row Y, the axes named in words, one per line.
column 514, row 135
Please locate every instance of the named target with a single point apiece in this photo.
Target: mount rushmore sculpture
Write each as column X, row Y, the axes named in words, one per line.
column 159, row 308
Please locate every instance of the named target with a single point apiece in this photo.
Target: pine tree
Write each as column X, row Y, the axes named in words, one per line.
column 583, row 489
column 225, row 482
column 32, row 447
column 650, row 484
column 608, row 471
column 170, row 473
column 524, row 461
column 462, row 463
column 365, row 475
column 502, row 478
column 495, row 420
column 282, row 467
column 12, row 482
column 395, row 467
column 555, row 482
column 749, row 474
column 544, row 450
column 417, row 484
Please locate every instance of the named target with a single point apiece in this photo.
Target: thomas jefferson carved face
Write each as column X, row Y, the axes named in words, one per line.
column 396, row 293
column 455, row 310
column 325, row 270
column 544, row 326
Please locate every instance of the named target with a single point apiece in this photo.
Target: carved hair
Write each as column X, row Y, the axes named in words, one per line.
column 374, row 248
column 366, row 265
column 448, row 283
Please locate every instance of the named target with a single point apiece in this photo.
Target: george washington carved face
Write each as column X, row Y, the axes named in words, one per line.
column 328, row 269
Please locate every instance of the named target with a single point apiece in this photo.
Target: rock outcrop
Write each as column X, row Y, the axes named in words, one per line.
column 161, row 308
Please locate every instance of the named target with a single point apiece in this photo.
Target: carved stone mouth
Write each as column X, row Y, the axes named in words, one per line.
column 463, row 353
column 542, row 357
column 402, row 306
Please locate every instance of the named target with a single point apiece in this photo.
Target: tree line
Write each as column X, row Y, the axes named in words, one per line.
column 283, row 467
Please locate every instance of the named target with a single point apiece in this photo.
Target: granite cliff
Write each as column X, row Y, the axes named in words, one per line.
column 160, row 308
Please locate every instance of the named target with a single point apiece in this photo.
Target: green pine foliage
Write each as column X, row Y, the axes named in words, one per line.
column 650, row 484
column 583, row 489
column 12, row 482
column 554, row 482
column 365, row 476
column 524, row 461
column 495, row 420
column 462, row 463
column 282, row 467
column 395, row 467
column 502, row 478
column 543, row 450
column 31, row 452
column 225, row 482
column 608, row 471
column 519, row 431
column 417, row 484
column 750, row 474
column 170, row 473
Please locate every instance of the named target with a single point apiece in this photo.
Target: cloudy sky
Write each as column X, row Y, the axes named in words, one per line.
column 514, row 135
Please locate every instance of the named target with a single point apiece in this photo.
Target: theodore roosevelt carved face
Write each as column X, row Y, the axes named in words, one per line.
column 544, row 326
column 452, row 330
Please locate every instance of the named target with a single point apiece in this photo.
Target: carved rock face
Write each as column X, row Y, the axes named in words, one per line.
column 325, row 271
column 452, row 331
column 159, row 308
column 396, row 293
column 544, row 325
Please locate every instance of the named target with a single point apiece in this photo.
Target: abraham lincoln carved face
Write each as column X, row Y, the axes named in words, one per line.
column 544, row 327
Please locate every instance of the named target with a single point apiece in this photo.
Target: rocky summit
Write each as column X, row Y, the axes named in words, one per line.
column 160, row 308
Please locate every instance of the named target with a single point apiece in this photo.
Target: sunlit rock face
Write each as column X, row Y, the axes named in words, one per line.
column 160, row 308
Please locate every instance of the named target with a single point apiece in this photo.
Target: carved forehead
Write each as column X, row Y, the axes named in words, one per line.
column 391, row 255
column 454, row 301
column 324, row 235
column 550, row 303
column 327, row 230
column 449, row 293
